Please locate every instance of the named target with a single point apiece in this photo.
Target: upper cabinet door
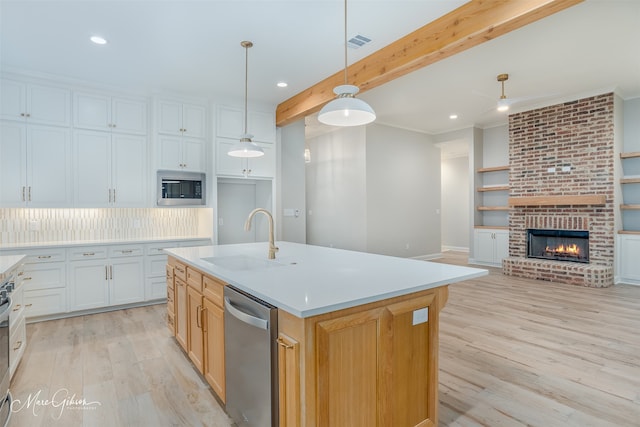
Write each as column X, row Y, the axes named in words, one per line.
column 49, row 166
column 262, row 126
column 113, row 114
column 35, row 103
column 182, row 119
column 229, row 122
column 129, row 154
column 13, row 163
column 193, row 120
column 48, row 105
column 13, row 100
column 92, row 173
column 170, row 117
column 92, row 111
column 129, row 116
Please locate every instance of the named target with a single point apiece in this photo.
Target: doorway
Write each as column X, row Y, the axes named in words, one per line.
column 236, row 199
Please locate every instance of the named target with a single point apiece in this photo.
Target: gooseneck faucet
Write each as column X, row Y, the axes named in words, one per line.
column 247, row 226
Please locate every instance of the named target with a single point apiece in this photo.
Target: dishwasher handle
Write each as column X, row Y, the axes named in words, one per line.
column 244, row 317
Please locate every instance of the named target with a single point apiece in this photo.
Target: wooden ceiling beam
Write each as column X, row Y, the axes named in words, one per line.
column 469, row 25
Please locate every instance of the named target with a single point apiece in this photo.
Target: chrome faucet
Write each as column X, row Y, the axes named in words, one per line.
column 247, row 226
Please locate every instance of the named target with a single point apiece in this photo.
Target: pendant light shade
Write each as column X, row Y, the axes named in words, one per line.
column 346, row 109
column 245, row 147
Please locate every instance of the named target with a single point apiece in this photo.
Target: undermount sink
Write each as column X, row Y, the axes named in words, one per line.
column 242, row 262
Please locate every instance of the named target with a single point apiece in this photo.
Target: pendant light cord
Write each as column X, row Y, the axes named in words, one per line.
column 345, row 43
column 246, row 81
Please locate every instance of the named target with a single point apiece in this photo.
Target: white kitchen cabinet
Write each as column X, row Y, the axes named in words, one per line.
column 230, row 124
column 490, row 246
column 17, row 328
column 109, row 113
column 182, row 119
column 628, row 256
column 44, row 282
column 186, row 154
column 254, row 167
column 100, row 278
column 109, row 169
column 33, row 103
column 35, row 166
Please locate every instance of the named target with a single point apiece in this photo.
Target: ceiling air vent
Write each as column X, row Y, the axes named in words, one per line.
column 358, row 41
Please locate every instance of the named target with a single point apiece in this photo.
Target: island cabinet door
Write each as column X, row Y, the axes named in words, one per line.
column 195, row 343
column 180, row 307
column 214, row 348
column 378, row 367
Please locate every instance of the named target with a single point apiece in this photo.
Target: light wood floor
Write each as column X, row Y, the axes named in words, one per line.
column 513, row 352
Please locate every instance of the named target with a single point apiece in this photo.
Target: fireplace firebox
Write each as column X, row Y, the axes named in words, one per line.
column 558, row 245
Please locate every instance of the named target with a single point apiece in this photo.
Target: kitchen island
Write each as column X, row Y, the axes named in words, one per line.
column 357, row 332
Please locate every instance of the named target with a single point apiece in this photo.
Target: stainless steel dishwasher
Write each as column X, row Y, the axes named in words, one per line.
column 250, row 330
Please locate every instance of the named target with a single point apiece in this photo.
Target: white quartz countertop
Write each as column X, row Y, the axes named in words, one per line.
column 8, row 262
column 307, row 280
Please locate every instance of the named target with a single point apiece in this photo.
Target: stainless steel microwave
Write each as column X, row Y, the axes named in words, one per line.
column 181, row 188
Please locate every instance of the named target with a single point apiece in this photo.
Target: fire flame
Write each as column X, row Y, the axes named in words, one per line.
column 572, row 249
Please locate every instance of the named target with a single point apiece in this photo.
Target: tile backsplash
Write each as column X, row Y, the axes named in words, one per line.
column 63, row 225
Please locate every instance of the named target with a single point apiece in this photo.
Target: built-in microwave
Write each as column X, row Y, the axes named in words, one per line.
column 177, row 188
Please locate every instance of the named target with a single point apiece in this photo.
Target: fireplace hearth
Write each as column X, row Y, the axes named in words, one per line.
column 558, row 245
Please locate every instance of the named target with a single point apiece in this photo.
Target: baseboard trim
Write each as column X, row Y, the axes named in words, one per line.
column 455, row 249
column 56, row 316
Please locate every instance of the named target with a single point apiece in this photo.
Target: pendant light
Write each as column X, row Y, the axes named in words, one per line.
column 503, row 102
column 245, row 148
column 346, row 109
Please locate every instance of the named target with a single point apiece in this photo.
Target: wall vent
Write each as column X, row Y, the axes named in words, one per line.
column 358, row 41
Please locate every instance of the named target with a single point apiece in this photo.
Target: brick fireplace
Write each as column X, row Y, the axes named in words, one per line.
column 562, row 159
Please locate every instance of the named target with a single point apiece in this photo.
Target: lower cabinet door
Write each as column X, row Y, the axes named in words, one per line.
column 181, row 317
column 195, row 344
column 89, row 284
column 214, row 348
column 127, row 281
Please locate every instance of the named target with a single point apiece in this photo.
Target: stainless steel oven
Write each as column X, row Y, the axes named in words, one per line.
column 5, row 396
column 177, row 188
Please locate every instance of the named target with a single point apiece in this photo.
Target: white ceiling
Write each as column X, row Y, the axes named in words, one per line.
column 193, row 48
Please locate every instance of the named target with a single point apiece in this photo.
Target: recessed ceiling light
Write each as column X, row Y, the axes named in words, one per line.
column 98, row 40
column 282, row 84
column 453, row 116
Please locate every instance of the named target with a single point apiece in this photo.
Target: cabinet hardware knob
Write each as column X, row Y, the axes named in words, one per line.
column 88, row 254
column 114, row 195
column 17, row 307
column 21, row 273
column 29, row 192
column 18, row 345
column 23, row 193
column 281, row 342
column 22, row 114
column 27, row 278
column 44, row 256
column 27, row 305
column 111, row 272
column 127, row 251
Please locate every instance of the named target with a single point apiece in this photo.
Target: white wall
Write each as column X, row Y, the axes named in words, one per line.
column 291, row 184
column 403, row 192
column 455, row 203
column 495, row 143
column 336, row 190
